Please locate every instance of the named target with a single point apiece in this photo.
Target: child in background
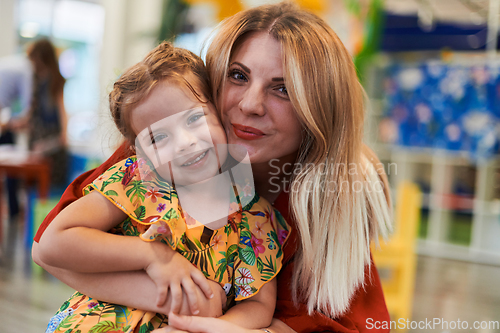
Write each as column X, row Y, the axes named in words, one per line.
column 162, row 106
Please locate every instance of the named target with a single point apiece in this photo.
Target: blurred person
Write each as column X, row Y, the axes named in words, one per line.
column 287, row 90
column 16, row 81
column 47, row 120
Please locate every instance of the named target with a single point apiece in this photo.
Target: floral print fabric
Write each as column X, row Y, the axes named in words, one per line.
column 241, row 256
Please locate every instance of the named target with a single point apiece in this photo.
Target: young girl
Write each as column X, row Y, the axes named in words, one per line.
column 161, row 105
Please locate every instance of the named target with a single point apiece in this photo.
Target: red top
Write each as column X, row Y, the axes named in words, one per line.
column 368, row 304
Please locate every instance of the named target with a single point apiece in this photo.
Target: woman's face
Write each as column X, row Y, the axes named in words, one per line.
column 256, row 110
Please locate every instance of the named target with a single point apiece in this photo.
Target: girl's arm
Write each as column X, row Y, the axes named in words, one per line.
column 255, row 312
column 134, row 289
column 76, row 240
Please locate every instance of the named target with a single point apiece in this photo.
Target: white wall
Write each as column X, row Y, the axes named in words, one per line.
column 130, row 32
column 8, row 36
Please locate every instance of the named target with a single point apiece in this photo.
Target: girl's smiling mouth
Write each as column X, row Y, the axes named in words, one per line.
column 197, row 160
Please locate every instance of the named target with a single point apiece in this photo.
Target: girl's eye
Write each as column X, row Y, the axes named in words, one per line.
column 194, row 118
column 237, row 75
column 158, row 137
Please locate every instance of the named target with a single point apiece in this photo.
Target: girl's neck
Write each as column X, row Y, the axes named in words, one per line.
column 273, row 177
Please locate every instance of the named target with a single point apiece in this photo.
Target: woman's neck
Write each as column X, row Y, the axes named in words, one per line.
column 273, row 177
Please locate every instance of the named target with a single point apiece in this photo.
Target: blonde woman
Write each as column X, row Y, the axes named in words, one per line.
column 287, row 90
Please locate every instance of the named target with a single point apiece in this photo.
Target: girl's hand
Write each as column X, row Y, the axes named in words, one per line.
column 184, row 324
column 171, row 271
column 212, row 307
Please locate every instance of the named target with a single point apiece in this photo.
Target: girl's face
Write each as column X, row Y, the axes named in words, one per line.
column 179, row 134
column 256, row 110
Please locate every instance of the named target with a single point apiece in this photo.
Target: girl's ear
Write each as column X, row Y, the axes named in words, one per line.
column 136, row 149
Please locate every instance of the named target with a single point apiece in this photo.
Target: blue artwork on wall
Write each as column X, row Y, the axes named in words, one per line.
column 446, row 106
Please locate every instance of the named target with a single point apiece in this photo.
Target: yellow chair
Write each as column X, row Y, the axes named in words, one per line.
column 396, row 259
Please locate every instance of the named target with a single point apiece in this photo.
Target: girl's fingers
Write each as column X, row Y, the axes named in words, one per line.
column 162, row 297
column 203, row 283
column 176, row 297
column 189, row 289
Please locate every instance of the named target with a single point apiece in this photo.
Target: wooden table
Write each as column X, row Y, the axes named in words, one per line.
column 24, row 166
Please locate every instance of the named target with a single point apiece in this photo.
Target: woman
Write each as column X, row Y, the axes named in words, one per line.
column 288, row 92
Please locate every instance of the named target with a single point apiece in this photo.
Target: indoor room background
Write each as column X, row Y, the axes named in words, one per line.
column 432, row 75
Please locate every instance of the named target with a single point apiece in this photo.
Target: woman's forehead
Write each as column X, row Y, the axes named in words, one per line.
column 255, row 39
column 259, row 49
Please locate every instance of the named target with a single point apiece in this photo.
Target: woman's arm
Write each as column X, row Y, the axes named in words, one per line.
column 182, row 324
column 77, row 240
column 134, row 289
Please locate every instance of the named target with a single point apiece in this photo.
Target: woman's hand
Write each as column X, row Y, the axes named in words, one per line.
column 177, row 275
column 185, row 324
column 178, row 324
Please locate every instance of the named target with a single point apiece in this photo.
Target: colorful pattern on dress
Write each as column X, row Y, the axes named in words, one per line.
column 90, row 315
column 241, row 256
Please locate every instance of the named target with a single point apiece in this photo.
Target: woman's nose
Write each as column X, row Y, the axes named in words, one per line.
column 252, row 101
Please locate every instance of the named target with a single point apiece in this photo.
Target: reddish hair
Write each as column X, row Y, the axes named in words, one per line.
column 164, row 62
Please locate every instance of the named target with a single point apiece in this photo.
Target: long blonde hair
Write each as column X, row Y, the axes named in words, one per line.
column 337, row 197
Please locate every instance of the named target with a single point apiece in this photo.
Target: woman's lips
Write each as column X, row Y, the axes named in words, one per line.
column 247, row 132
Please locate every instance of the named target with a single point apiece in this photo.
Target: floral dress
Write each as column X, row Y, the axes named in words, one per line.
column 241, row 256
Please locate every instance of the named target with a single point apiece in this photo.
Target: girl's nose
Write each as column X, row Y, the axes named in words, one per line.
column 252, row 101
column 187, row 140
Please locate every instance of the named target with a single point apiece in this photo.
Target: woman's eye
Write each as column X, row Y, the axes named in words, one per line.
column 283, row 90
column 194, row 118
column 237, row 75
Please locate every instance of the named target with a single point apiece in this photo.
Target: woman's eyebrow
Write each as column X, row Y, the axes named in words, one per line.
column 245, row 68
column 277, row 79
